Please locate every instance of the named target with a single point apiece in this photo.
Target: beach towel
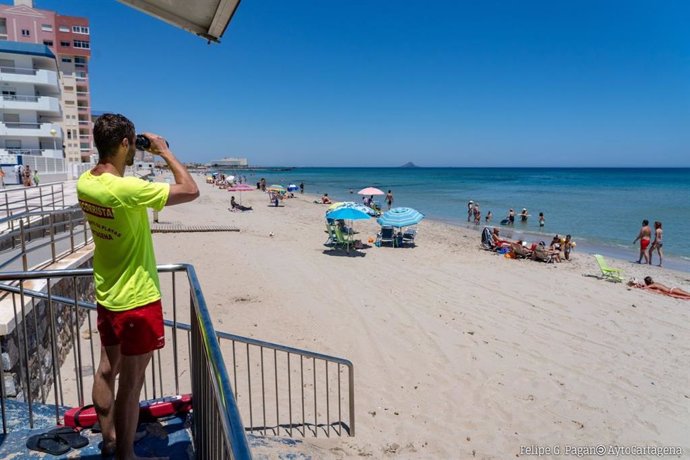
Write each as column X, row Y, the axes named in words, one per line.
column 487, row 239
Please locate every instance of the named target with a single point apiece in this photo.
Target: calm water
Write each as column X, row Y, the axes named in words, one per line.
column 601, row 208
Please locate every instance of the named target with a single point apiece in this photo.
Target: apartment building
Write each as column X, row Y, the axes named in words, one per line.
column 68, row 37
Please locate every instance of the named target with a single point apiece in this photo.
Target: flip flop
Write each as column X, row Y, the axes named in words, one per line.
column 48, row 443
column 70, row 436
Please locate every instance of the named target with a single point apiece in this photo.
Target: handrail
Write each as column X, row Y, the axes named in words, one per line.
column 12, row 97
column 28, row 232
column 214, row 416
column 27, row 198
column 292, row 383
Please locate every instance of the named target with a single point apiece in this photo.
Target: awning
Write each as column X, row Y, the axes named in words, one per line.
column 205, row 18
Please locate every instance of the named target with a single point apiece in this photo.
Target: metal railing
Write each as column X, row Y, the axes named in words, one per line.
column 217, row 427
column 42, row 197
column 31, row 234
column 282, row 390
column 278, row 390
column 13, row 97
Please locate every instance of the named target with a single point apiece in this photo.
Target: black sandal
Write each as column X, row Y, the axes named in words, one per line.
column 48, row 443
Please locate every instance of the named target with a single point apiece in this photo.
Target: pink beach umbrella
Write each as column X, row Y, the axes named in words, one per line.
column 240, row 188
column 370, row 191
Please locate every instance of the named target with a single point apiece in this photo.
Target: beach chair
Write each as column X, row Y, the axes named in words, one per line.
column 332, row 239
column 386, row 235
column 409, row 236
column 341, row 240
column 609, row 273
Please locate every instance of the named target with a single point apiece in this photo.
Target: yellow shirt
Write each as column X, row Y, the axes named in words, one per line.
column 124, row 264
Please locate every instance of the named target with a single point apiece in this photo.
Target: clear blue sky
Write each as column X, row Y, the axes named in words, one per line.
column 380, row 83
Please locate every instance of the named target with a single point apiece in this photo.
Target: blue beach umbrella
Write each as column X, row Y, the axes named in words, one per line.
column 351, row 204
column 347, row 213
column 400, row 217
column 292, row 188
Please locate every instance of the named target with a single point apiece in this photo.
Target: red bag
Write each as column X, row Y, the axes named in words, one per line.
column 85, row 417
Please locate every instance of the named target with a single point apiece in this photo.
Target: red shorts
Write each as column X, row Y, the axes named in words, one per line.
column 137, row 331
column 644, row 242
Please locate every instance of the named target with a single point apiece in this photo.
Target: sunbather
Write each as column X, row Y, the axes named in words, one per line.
column 520, row 249
column 650, row 285
column 541, row 252
column 237, row 206
column 498, row 242
column 325, row 199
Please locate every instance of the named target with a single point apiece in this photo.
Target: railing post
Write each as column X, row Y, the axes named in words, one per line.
column 40, row 197
column 52, row 195
column 12, row 230
column 26, row 202
column 51, row 220
column 71, row 233
column 25, row 262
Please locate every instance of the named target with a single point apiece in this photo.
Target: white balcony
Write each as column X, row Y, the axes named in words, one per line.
column 45, row 104
column 12, row 153
column 33, row 76
column 22, row 129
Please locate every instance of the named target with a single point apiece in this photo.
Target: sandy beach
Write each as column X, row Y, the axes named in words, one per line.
column 458, row 352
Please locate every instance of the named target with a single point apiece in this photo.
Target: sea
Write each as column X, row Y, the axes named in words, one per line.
column 602, row 208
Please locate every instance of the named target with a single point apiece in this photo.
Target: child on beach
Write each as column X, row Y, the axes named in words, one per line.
column 541, row 220
column 488, row 217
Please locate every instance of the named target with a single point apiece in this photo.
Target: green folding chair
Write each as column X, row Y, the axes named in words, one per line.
column 609, row 273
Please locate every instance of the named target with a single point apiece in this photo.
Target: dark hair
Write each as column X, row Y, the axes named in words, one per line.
column 645, row 222
column 108, row 132
column 648, row 280
column 657, row 224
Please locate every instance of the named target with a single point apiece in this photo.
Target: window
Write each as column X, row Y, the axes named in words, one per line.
column 69, row 134
column 66, row 60
column 69, row 88
column 48, row 42
column 3, row 26
column 64, row 43
column 47, row 27
column 26, row 33
column 81, row 44
column 79, row 60
column 80, row 30
column 63, row 29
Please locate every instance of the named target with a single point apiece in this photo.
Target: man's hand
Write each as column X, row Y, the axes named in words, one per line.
column 158, row 144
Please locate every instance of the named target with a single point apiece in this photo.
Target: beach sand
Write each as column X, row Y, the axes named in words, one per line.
column 458, row 352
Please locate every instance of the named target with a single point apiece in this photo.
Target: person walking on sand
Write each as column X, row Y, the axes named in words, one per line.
column 644, row 237
column 301, row 187
column 389, row 199
column 129, row 310
column 657, row 244
column 26, row 174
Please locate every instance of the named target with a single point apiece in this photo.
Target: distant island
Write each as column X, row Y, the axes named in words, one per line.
column 409, row 164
